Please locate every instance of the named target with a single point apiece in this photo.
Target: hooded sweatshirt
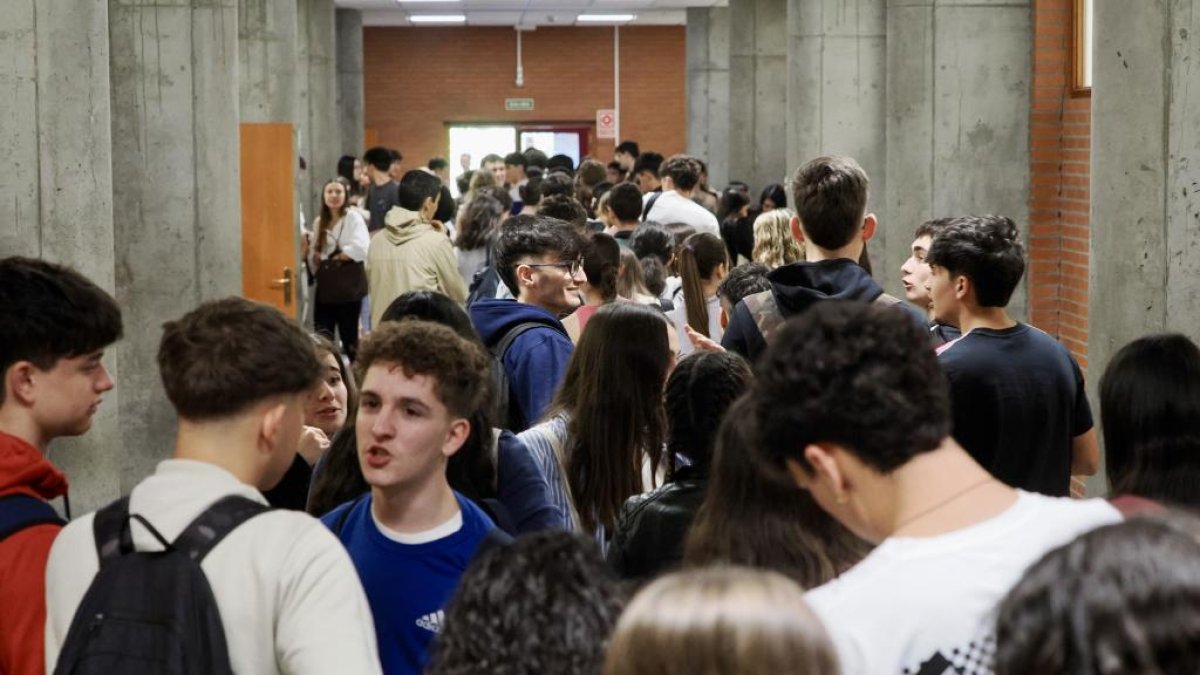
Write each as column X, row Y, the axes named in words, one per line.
column 800, row 285
column 24, row 470
column 411, row 255
column 536, row 361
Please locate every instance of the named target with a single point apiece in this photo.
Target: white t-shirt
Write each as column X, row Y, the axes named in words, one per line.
column 672, row 207
column 287, row 592
column 926, row 605
column 679, row 318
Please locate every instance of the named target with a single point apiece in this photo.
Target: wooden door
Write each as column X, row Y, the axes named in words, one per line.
column 270, row 237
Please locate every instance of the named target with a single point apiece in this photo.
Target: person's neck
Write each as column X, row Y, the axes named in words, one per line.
column 996, row 318
column 593, row 297
column 935, row 493
column 528, row 301
column 619, row 226
column 852, row 251
column 686, row 194
column 221, row 444
column 410, row 510
column 709, row 286
column 16, row 422
column 380, row 177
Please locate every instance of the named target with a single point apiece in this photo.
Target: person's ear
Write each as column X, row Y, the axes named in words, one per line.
column 797, row 231
column 524, row 275
column 826, row 470
column 724, row 319
column 460, row 429
column 271, row 429
column 962, row 287
column 870, row 223
column 19, row 383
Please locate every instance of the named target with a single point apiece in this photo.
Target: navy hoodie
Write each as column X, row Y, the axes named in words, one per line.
column 536, row 361
column 797, row 287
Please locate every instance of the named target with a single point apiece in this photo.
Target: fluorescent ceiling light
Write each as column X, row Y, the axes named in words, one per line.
column 606, row 18
column 414, row 2
column 438, row 18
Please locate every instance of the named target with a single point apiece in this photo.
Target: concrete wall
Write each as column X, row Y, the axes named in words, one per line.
column 837, row 101
column 321, row 146
column 267, row 60
column 708, row 90
column 958, row 82
column 758, row 84
column 350, row 82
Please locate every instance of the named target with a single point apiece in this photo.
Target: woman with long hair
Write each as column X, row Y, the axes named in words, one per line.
column 773, row 197
column 341, row 236
column 652, row 527
column 476, row 229
column 774, row 245
column 1150, row 414
column 601, row 442
column 702, row 264
column 754, row 516
column 720, row 621
column 736, row 225
column 601, row 266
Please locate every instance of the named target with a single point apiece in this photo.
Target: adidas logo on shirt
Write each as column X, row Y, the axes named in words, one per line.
column 432, row 622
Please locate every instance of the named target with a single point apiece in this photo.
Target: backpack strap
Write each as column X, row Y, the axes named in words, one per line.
column 764, row 310
column 650, row 204
column 209, row 528
column 511, row 336
column 110, row 529
column 20, row 511
column 885, row 299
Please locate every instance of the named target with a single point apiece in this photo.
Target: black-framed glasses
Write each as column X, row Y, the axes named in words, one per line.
column 573, row 267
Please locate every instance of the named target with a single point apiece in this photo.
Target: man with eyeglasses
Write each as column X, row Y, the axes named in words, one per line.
column 539, row 259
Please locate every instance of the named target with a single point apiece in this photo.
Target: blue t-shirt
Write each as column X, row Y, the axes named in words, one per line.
column 408, row 585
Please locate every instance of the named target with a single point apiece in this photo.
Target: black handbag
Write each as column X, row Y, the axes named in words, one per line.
column 340, row 281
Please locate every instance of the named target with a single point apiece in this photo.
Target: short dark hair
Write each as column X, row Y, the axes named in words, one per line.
column 415, row 187
column 699, row 392
column 345, row 167
column 648, row 161
column 535, row 157
column 985, row 249
column 629, row 148
column 684, row 171
column 397, row 156
column 652, row 239
column 544, row 604
column 446, row 208
column 523, row 236
column 1150, row 414
column 490, row 158
column 531, row 191
column 615, row 166
column 557, row 183
column 438, row 163
column 931, row 228
column 776, row 194
column 857, row 374
column 378, row 157
column 50, row 312
column 227, row 355
column 499, row 194
column 459, row 367
column 565, row 208
column 515, row 159
column 464, row 181
column 831, row 199
column 1118, row 599
column 625, row 200
column 742, row 281
column 561, row 162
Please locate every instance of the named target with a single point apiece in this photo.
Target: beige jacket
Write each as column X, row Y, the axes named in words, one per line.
column 410, row 254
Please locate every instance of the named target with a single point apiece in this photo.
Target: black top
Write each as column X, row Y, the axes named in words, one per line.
column 292, row 490
column 652, row 528
column 943, row 333
column 380, row 200
column 1018, row 401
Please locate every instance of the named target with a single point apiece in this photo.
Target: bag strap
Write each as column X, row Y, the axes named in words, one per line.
column 20, row 511
column 764, row 310
column 650, row 205
column 511, row 336
column 887, row 300
column 203, row 534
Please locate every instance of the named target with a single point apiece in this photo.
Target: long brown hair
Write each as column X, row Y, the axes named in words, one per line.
column 753, row 515
column 699, row 257
column 720, row 621
column 328, row 218
column 612, row 394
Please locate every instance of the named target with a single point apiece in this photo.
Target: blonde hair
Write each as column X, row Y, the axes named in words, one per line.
column 774, row 245
column 720, row 621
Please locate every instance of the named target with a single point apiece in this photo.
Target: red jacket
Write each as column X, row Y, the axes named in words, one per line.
column 23, row 559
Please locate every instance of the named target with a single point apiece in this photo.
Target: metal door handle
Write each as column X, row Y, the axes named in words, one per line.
column 286, row 284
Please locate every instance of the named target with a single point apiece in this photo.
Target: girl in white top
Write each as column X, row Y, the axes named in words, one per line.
column 341, row 235
column 703, row 264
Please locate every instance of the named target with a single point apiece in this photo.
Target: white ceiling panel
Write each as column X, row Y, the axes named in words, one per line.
column 525, row 12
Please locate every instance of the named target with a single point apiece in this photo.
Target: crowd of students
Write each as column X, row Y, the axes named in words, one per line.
column 604, row 420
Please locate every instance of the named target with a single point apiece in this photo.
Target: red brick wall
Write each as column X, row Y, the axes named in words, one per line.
column 1061, row 128
column 420, row 79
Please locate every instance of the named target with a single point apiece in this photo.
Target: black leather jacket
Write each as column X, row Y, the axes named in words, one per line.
column 652, row 528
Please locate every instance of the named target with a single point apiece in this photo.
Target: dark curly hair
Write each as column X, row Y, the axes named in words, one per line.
column 857, row 374
column 985, row 249
column 699, row 392
column 546, row 603
column 744, row 280
column 523, row 236
column 479, row 221
column 565, row 208
column 1119, row 599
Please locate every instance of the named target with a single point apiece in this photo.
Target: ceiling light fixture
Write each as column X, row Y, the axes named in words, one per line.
column 438, row 18
column 605, row 18
column 426, row 2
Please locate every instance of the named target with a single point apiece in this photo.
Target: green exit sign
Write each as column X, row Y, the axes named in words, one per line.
column 518, row 104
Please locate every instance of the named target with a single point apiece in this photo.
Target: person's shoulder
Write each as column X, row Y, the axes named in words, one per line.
column 1086, row 513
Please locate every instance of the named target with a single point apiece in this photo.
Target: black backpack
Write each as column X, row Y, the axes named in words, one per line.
column 19, row 512
column 507, row 413
column 153, row 612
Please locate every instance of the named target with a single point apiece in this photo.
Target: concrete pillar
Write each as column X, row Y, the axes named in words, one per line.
column 267, row 61
column 319, row 133
column 758, row 86
column 836, row 99
column 174, row 89
column 958, row 100
column 350, row 82
column 57, row 194
column 1145, row 273
column 708, row 90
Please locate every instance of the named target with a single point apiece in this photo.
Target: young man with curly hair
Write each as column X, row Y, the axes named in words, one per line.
column 849, row 401
column 412, row 536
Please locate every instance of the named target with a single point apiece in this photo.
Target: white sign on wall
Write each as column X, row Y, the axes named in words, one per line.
column 606, row 123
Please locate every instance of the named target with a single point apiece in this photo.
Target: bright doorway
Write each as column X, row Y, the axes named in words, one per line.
column 470, row 144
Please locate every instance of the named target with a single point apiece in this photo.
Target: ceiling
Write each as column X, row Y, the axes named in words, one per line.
column 526, row 13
